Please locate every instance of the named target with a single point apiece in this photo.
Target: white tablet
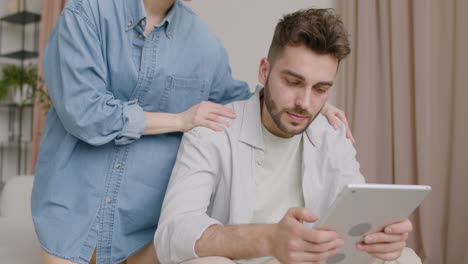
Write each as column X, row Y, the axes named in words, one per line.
column 361, row 209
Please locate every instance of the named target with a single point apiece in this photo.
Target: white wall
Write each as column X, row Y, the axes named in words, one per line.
column 246, row 28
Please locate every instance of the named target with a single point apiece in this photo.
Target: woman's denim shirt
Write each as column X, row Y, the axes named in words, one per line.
column 99, row 182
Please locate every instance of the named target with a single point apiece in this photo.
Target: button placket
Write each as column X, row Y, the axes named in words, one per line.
column 259, row 162
column 258, row 166
column 259, row 158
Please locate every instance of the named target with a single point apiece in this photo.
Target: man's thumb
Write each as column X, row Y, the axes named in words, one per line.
column 302, row 214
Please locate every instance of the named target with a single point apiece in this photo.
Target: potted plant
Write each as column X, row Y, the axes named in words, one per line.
column 19, row 83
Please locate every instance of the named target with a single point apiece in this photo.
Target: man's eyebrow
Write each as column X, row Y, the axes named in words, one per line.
column 325, row 83
column 298, row 76
column 291, row 73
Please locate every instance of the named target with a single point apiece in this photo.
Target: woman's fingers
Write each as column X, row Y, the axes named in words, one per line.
column 217, row 119
column 210, row 115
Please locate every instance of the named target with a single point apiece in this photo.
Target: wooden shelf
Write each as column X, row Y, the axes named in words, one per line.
column 22, row 18
column 21, row 55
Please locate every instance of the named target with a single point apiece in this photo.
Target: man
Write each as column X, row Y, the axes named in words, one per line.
column 255, row 189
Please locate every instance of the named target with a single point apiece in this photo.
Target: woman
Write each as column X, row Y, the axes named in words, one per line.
column 126, row 78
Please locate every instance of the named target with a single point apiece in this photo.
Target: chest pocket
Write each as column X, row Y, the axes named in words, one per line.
column 181, row 94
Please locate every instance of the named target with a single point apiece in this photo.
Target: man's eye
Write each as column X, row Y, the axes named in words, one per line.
column 321, row 90
column 294, row 83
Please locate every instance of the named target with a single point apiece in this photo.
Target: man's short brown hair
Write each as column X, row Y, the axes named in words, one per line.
column 321, row 30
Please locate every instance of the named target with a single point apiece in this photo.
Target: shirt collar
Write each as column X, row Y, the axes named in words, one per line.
column 135, row 12
column 251, row 128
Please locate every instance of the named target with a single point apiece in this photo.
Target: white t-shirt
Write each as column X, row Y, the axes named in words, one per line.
column 279, row 185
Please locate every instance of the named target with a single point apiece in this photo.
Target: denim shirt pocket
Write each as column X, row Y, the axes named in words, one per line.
column 180, row 94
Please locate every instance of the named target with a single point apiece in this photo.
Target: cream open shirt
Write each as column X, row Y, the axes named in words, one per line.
column 213, row 181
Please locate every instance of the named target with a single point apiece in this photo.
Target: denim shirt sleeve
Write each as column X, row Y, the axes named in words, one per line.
column 75, row 72
column 225, row 89
column 134, row 123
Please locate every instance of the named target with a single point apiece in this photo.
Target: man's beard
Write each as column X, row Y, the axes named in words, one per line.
column 275, row 113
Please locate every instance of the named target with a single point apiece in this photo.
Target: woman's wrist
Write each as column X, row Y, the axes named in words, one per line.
column 160, row 123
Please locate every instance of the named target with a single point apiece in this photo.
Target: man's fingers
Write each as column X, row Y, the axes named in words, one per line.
column 301, row 214
column 319, row 236
column 323, row 247
column 388, row 256
column 404, row 226
column 382, row 248
column 381, row 237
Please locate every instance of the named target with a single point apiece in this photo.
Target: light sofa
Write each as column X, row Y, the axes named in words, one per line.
column 18, row 241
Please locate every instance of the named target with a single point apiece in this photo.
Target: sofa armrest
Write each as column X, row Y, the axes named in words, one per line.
column 16, row 197
column 18, row 241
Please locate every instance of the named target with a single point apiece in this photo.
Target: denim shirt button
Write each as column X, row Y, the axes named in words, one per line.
column 117, row 165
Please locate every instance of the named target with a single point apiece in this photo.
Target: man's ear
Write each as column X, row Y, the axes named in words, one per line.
column 263, row 71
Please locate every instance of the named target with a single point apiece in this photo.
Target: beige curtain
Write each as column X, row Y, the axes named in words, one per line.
column 406, row 97
column 51, row 10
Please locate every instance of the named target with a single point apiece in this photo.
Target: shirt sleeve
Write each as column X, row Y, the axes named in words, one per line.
column 225, row 89
column 184, row 215
column 76, row 75
column 343, row 153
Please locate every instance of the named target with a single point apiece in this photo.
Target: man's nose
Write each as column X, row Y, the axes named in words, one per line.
column 303, row 98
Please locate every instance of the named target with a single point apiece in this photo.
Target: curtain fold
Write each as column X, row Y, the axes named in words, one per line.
column 51, row 10
column 406, row 92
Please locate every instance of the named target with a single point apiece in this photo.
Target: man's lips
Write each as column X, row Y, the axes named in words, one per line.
column 296, row 117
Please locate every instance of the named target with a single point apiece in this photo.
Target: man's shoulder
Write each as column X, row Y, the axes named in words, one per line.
column 204, row 135
column 320, row 127
column 324, row 136
column 238, row 106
